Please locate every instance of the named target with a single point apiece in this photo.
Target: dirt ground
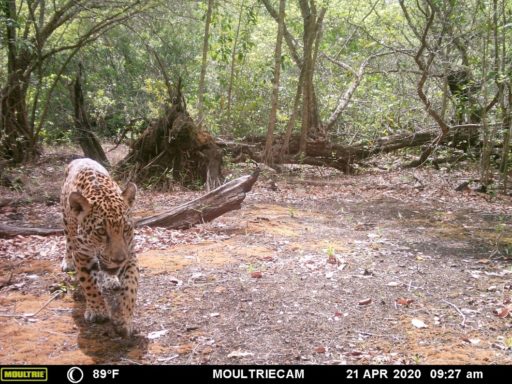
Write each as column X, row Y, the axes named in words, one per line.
column 380, row 268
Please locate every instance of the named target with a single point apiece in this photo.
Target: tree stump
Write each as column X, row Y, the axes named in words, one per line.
column 173, row 148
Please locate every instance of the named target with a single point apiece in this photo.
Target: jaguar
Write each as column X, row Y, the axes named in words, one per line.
column 98, row 227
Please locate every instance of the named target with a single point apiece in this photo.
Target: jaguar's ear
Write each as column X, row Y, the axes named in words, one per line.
column 129, row 194
column 79, row 205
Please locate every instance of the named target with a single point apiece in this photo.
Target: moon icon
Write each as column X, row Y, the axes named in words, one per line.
column 72, row 374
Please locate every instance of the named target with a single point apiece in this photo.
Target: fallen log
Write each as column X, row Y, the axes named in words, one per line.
column 12, row 230
column 342, row 156
column 223, row 199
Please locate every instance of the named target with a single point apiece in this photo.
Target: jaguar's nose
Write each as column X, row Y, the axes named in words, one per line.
column 119, row 257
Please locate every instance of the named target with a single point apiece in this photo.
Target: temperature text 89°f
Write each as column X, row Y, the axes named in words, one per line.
column 104, row 373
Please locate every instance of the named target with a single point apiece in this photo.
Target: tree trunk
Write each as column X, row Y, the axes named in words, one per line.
column 311, row 124
column 312, row 128
column 269, row 156
column 206, row 208
column 285, row 147
column 505, row 98
column 84, row 136
column 233, row 59
column 204, row 61
column 507, row 132
column 424, row 64
column 18, row 143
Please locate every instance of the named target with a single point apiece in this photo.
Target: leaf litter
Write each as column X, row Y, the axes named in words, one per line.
column 410, row 253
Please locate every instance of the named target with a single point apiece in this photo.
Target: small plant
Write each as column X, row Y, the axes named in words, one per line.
column 417, row 359
column 501, row 226
column 508, row 342
column 491, row 192
column 292, row 212
column 331, row 255
column 64, row 286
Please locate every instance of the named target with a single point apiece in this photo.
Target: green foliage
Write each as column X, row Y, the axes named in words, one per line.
column 123, row 68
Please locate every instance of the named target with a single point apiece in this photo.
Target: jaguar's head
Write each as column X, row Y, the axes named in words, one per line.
column 106, row 225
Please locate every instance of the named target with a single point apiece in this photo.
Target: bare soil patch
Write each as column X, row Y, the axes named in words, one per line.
column 335, row 272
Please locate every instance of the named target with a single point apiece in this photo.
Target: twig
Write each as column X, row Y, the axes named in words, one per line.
column 130, row 361
column 372, row 334
column 463, row 323
column 56, row 333
column 377, row 335
column 26, row 315
column 8, row 282
column 189, row 360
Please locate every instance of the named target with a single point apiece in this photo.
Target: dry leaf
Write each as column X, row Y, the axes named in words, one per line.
column 157, row 334
column 393, row 284
column 471, row 341
column 207, row 350
column 365, row 301
column 502, row 313
column 184, row 349
column 418, row 323
column 220, row 289
column 475, row 274
column 256, row 275
column 320, row 349
column 498, row 346
column 239, row 353
column 403, row 301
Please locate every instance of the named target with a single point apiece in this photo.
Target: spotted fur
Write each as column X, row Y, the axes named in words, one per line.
column 99, row 239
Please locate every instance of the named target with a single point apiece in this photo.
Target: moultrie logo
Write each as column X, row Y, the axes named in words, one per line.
column 23, row 374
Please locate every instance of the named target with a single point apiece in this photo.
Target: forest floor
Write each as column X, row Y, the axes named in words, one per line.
column 319, row 268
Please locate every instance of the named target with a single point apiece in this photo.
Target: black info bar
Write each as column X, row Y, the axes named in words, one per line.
column 249, row 373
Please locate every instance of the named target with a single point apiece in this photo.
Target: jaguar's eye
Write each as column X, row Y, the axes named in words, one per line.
column 101, row 231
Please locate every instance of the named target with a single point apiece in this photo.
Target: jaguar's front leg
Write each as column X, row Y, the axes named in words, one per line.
column 70, row 227
column 129, row 280
column 88, row 276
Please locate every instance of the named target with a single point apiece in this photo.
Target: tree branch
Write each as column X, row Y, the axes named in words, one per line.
column 349, row 92
column 290, row 40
